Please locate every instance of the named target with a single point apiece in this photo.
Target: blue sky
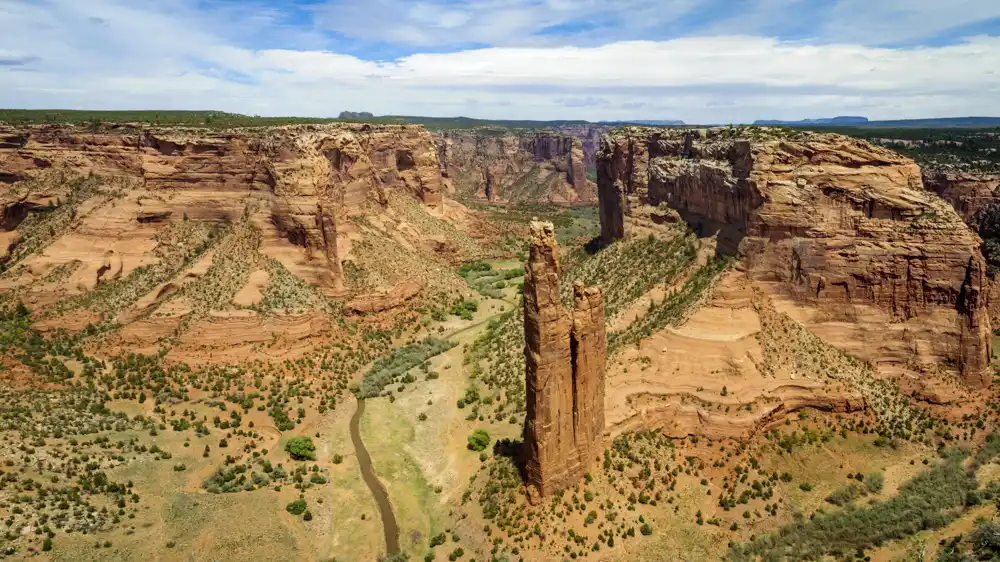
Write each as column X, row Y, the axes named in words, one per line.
column 696, row 60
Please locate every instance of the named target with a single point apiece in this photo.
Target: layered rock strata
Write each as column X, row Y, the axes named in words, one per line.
column 827, row 221
column 565, row 361
column 297, row 184
column 972, row 194
column 539, row 166
column 976, row 198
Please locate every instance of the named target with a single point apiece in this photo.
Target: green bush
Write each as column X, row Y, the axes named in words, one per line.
column 297, row 507
column 986, row 540
column 845, row 495
column 874, row 482
column 301, row 448
column 390, row 369
column 479, row 440
column 464, row 309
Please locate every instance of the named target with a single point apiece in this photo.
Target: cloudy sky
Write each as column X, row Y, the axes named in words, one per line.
column 703, row 61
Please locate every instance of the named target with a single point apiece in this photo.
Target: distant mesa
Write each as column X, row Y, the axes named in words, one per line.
column 653, row 122
column 355, row 115
column 855, row 121
column 841, row 120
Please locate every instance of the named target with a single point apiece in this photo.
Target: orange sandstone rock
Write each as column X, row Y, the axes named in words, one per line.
column 536, row 166
column 831, row 222
column 565, row 362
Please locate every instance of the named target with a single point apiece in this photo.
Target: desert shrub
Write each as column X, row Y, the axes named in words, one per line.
column 479, row 440
column 464, row 309
column 301, row 448
column 389, row 370
column 928, row 501
column 297, row 507
column 845, row 495
column 874, row 481
column 986, row 540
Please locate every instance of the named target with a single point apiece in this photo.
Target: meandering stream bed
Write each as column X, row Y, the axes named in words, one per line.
column 389, row 525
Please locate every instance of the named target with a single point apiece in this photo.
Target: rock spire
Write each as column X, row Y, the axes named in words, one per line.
column 565, row 355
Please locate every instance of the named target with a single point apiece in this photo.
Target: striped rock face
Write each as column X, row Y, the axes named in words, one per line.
column 842, row 228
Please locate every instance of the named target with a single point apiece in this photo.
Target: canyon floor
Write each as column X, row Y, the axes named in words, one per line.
column 187, row 387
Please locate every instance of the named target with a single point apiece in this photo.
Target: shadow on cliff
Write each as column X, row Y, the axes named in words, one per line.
column 727, row 236
column 595, row 245
column 514, row 450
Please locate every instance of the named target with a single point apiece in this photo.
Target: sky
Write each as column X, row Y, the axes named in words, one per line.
column 701, row 61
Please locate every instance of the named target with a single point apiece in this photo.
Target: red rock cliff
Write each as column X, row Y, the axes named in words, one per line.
column 301, row 181
column 539, row 166
column 565, row 361
column 970, row 193
column 831, row 221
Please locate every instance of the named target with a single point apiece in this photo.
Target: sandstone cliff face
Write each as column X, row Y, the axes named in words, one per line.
column 565, row 361
column 831, row 222
column 541, row 166
column 970, row 193
column 590, row 140
column 976, row 197
column 297, row 184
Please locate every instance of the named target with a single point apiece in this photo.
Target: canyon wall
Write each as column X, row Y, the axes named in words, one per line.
column 298, row 184
column 565, row 363
column 976, row 197
column 842, row 229
column 505, row 166
column 971, row 194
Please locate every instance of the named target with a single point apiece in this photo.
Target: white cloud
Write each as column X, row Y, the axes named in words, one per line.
column 498, row 22
column 172, row 58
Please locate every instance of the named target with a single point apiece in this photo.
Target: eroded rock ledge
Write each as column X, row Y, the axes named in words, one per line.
column 882, row 267
column 565, row 356
column 298, row 184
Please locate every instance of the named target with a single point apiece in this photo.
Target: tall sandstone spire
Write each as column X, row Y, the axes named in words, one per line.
column 565, row 352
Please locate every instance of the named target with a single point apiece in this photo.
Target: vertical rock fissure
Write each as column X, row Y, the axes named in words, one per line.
column 574, row 346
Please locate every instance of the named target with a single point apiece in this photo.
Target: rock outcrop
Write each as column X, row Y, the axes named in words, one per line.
column 830, row 222
column 538, row 166
column 970, row 193
column 976, row 197
column 565, row 362
column 297, row 184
